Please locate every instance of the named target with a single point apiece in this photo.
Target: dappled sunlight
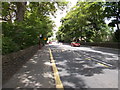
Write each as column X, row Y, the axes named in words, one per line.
column 27, row 72
column 35, row 58
column 36, row 73
column 29, row 81
column 32, row 77
column 32, row 61
column 78, row 59
column 69, row 84
column 101, row 58
column 47, row 74
column 31, row 25
column 79, row 65
column 63, row 72
column 24, row 66
column 63, row 63
column 86, row 66
column 35, row 55
column 48, row 63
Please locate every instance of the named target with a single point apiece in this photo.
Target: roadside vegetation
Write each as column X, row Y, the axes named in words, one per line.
column 86, row 21
column 23, row 22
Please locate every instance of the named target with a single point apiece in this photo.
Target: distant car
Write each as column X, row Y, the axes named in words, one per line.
column 75, row 44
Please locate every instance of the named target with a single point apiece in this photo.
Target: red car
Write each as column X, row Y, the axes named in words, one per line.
column 75, row 44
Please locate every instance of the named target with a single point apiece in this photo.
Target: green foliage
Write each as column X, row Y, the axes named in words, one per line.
column 25, row 31
column 86, row 22
column 9, row 45
column 23, row 35
column 112, row 10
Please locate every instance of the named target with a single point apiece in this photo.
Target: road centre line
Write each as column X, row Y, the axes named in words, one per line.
column 58, row 82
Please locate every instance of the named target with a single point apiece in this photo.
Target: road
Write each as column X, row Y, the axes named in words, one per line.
column 75, row 67
column 86, row 67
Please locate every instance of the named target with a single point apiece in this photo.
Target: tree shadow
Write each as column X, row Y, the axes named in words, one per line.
column 36, row 73
column 10, row 67
column 107, row 58
column 75, row 64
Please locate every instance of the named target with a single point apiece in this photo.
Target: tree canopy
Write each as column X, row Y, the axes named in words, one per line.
column 86, row 21
column 23, row 22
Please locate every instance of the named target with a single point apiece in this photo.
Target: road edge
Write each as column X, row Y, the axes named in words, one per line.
column 58, row 81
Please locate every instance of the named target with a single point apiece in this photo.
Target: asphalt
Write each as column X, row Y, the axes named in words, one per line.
column 36, row 73
column 78, row 67
column 86, row 67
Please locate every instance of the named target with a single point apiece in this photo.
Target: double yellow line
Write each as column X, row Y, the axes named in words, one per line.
column 58, row 82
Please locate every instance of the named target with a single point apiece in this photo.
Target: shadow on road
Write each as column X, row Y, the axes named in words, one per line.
column 74, row 64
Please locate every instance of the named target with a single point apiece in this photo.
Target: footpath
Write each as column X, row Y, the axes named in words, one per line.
column 36, row 73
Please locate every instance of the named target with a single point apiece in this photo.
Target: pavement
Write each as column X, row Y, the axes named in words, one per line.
column 36, row 73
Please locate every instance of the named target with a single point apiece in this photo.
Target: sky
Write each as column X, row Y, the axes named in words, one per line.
column 60, row 14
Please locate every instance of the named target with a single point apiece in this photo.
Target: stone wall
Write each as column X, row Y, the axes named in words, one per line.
column 11, row 63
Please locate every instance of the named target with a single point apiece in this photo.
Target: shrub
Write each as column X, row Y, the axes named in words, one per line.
column 8, row 45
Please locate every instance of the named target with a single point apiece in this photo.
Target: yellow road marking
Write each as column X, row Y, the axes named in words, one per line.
column 98, row 63
column 102, row 64
column 58, row 82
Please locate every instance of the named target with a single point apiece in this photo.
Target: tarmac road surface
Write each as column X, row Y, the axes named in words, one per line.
column 86, row 67
column 78, row 67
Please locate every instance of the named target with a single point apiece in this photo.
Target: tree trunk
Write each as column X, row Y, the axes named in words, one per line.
column 21, row 7
column 117, row 24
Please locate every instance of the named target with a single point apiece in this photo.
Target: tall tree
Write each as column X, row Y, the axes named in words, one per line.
column 85, row 21
column 30, row 20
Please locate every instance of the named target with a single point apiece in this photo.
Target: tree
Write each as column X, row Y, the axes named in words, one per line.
column 84, row 21
column 112, row 10
column 21, row 8
column 24, row 23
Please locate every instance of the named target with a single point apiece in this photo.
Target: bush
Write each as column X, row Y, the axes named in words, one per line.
column 21, row 35
column 8, row 45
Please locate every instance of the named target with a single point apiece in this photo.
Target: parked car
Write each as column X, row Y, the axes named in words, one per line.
column 75, row 44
